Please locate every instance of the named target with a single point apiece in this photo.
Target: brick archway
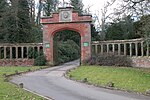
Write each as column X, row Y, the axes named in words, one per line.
column 67, row 19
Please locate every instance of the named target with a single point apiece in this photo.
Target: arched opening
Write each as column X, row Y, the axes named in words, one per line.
column 66, row 46
column 80, row 24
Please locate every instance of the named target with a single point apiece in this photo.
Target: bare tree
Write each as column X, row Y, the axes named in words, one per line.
column 105, row 15
column 136, row 8
column 39, row 12
column 32, row 10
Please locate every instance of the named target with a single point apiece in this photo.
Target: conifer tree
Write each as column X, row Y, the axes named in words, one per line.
column 77, row 6
column 50, row 6
column 3, row 7
column 18, row 23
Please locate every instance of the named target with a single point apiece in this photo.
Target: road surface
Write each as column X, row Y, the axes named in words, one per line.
column 52, row 83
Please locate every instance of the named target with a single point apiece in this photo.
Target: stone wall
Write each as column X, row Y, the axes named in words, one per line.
column 19, row 54
column 141, row 62
column 137, row 50
column 16, row 62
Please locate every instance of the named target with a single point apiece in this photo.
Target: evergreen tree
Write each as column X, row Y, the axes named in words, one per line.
column 50, row 6
column 24, row 24
column 123, row 29
column 77, row 6
column 18, row 23
column 94, row 34
column 3, row 8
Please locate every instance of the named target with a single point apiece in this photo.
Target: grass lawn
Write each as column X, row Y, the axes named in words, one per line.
column 9, row 91
column 133, row 79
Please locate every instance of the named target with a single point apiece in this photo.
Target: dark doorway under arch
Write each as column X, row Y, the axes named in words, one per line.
column 67, row 46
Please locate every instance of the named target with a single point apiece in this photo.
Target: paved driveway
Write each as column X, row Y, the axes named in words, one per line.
column 51, row 83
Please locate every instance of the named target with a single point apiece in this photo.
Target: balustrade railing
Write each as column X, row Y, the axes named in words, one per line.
column 133, row 47
column 19, row 51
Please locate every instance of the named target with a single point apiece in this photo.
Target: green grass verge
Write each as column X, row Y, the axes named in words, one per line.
column 9, row 91
column 133, row 79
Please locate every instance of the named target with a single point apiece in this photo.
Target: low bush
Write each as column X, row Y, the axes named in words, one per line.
column 32, row 53
column 109, row 59
column 40, row 60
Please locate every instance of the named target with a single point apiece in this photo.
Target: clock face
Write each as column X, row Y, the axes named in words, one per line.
column 65, row 16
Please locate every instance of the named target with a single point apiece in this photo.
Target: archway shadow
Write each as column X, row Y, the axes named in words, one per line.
column 66, row 46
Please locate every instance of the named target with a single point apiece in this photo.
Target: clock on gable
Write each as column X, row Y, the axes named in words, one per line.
column 65, row 16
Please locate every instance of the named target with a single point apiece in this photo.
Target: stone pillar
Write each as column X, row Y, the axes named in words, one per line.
column 33, row 51
column 136, row 49
column 101, row 48
column 130, row 49
column 10, row 52
column 48, row 51
column 142, row 51
column 147, row 53
column 125, row 49
column 22, row 52
column 0, row 53
column 27, row 52
column 119, row 49
column 107, row 48
column 5, row 52
column 95, row 48
column 38, row 49
column 16, row 52
column 86, row 44
column 113, row 48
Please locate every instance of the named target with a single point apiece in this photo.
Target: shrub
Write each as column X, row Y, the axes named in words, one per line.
column 32, row 53
column 109, row 59
column 40, row 60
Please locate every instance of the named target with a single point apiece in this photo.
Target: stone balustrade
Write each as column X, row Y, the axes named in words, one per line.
column 136, row 49
column 21, row 54
column 18, row 51
column 133, row 47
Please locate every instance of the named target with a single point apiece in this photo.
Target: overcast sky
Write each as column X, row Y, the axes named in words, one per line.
column 95, row 5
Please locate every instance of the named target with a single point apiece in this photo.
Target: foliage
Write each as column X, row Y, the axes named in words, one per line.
column 137, row 7
column 50, row 6
column 47, row 7
column 144, row 26
column 3, row 9
column 67, row 35
column 122, row 29
column 77, row 6
column 39, row 57
column 94, row 34
column 68, row 51
column 11, row 92
column 39, row 12
column 40, row 60
column 109, row 59
column 16, row 22
column 133, row 79
column 106, row 15
column 118, row 29
column 36, row 34
column 32, row 53
column 66, row 46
